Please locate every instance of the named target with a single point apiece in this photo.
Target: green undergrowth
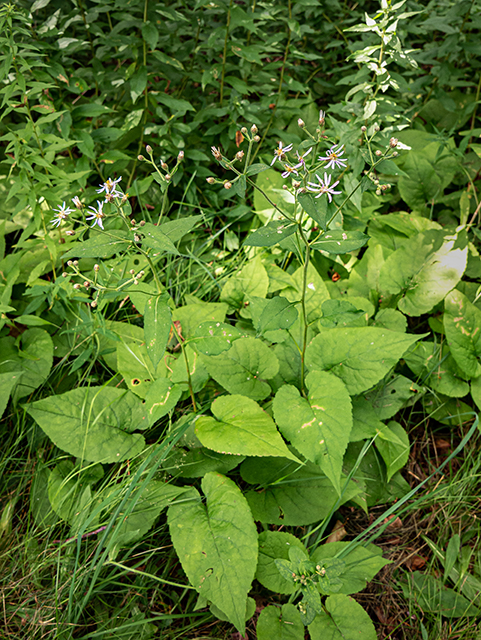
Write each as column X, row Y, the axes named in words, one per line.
column 240, row 378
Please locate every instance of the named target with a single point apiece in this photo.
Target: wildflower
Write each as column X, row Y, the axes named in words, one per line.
column 210, row 180
column 280, row 152
column 109, row 187
column 227, row 185
column 378, row 153
column 254, row 129
column 60, row 214
column 302, row 159
column 216, row 153
column 333, row 158
column 301, row 122
column 323, row 186
column 322, row 117
column 288, row 171
column 257, row 139
column 97, row 215
column 239, row 155
column 77, row 202
column 149, row 149
column 180, row 156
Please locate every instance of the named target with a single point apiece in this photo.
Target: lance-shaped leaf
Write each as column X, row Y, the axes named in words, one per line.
column 424, row 269
column 318, row 427
column 360, row 356
column 217, row 545
column 280, row 624
column 157, row 323
column 242, row 427
column 244, row 367
column 339, row 241
column 156, row 239
column 462, row 323
column 100, row 245
column 344, row 619
column 93, row 423
column 271, row 234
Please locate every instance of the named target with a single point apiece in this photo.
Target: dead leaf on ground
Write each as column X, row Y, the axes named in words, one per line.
column 338, row 533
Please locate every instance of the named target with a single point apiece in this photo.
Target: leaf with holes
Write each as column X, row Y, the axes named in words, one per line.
column 318, row 426
column 162, row 396
column 217, row 545
column 241, row 427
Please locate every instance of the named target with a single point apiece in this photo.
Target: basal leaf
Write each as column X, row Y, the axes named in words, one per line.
column 162, row 396
column 7, row 383
column 392, row 394
column 360, row 356
column 394, row 454
column 244, row 368
column 213, row 338
column 251, row 280
column 319, row 426
column 199, row 461
column 274, row 545
column 191, row 316
column 462, row 323
column 92, row 423
column 424, row 269
column 217, row 545
column 157, row 323
column 242, row 428
column 278, row 315
column 436, row 368
column 283, row 623
column 344, row 619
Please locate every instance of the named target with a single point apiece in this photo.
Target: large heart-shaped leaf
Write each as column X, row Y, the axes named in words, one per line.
column 93, row 423
column 280, row 624
column 242, row 428
column 462, row 323
column 275, row 545
column 360, row 356
column 318, row 427
column 217, row 545
column 344, row 619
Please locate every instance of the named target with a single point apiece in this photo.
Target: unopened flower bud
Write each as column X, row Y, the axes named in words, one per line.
column 393, row 142
column 378, row 153
column 322, row 117
column 141, row 274
column 70, row 233
column 76, row 286
column 86, row 284
column 133, row 222
column 168, row 177
column 227, row 185
column 141, row 223
column 376, row 128
column 75, row 263
column 93, row 303
column 378, row 192
column 125, row 197
column 96, row 267
column 244, row 130
column 77, row 202
column 141, row 158
column 216, row 153
column 257, row 138
column 376, row 181
column 132, row 272
column 239, row 155
column 69, row 263
column 210, row 180
column 136, row 282
column 164, row 166
column 254, row 129
column 303, row 190
column 363, row 128
column 64, row 274
column 301, row 122
column 284, row 186
column 395, row 153
column 180, row 156
column 136, row 238
column 148, row 148
column 296, row 184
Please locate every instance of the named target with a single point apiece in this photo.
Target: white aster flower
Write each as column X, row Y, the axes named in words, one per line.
column 97, row 214
column 109, row 187
column 280, row 152
column 289, row 171
column 60, row 214
column 333, row 157
column 323, row 186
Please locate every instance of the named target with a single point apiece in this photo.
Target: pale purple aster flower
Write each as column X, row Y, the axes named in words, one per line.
column 97, row 214
column 323, row 186
column 280, row 152
column 60, row 214
column 302, row 159
column 333, row 158
column 77, row 202
column 109, row 187
column 289, row 171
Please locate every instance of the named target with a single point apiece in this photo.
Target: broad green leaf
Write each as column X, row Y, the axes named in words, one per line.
column 283, row 623
column 175, row 230
column 344, row 619
column 360, row 565
column 251, row 280
column 341, row 313
column 101, row 245
column 339, row 241
column 436, row 368
column 192, row 315
column 241, row 427
column 93, row 423
column 316, row 208
column 220, row 615
column 424, row 269
column 360, row 356
column 390, row 319
column 277, row 316
column 316, row 291
column 476, row 392
column 157, row 323
column 7, row 383
column 162, row 396
column 392, row 394
column 34, row 359
column 140, row 293
column 288, row 494
column 271, row 234
column 462, row 323
column 275, row 545
column 148, row 500
column 394, row 454
column 156, row 239
column 271, row 183
column 213, row 338
column 290, row 363
column 134, row 364
column 319, row 426
column 244, row 368
column 198, row 373
column 66, row 492
column 221, row 573
column 199, row 461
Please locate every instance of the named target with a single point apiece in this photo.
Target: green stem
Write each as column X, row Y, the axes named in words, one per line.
column 224, row 55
